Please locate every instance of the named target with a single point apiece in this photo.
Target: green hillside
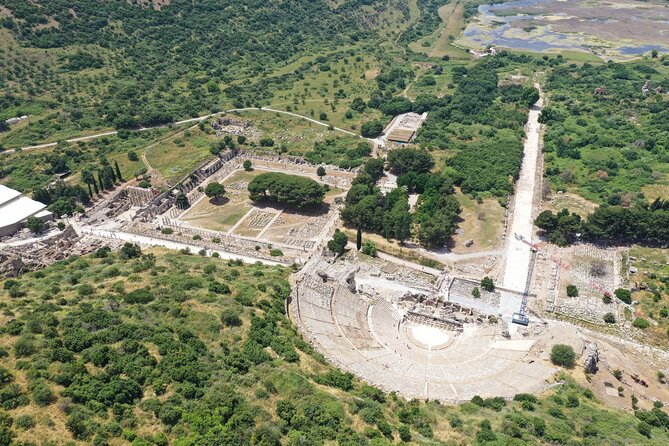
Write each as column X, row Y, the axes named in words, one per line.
column 156, row 348
column 92, row 64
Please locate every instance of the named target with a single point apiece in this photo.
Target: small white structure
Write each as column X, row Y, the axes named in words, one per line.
column 16, row 120
column 16, row 208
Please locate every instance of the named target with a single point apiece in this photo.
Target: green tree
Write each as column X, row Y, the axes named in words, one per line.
column 88, row 177
column 118, row 171
column 488, row 284
column 320, row 171
column 284, row 189
column 130, row 251
column 214, row 190
column 338, row 242
column 35, row 224
column 374, row 168
column 563, row 355
column 623, row 295
column 406, row 160
column 358, row 239
column 181, row 201
column 248, row 165
column 371, row 129
column 476, row 293
column 572, row 291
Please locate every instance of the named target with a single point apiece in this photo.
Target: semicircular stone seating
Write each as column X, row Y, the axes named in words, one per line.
column 373, row 340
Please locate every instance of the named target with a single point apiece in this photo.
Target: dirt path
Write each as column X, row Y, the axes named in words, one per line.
column 452, row 15
column 185, row 121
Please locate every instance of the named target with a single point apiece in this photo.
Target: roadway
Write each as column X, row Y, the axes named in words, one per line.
column 518, row 253
column 185, row 121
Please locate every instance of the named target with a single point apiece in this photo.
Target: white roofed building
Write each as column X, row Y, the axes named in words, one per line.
column 16, row 208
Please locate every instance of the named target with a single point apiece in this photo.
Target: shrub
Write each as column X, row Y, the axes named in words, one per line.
column 369, row 248
column 24, row 422
column 641, row 323
column 219, row 288
column 335, row 378
column 139, row 296
column 276, row 252
column 644, row 429
column 167, row 231
column 85, row 290
column 35, row 224
column 610, row 318
column 230, row 318
column 563, row 355
column 623, row 295
column 24, row 347
column 42, row 395
column 405, row 433
column 525, row 397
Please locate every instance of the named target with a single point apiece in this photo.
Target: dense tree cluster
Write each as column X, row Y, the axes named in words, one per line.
column 343, row 152
column 62, row 198
column 640, row 224
column 416, row 161
column 484, row 133
column 284, row 189
column 433, row 221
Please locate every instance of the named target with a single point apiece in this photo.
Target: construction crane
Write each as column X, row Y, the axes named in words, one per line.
column 532, row 246
column 520, row 317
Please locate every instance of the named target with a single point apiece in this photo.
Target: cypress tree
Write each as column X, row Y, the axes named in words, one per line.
column 358, row 239
column 102, row 185
column 118, row 171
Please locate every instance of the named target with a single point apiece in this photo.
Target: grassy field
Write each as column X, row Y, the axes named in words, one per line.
column 222, row 215
column 178, row 155
column 297, row 135
column 440, row 42
column 572, row 202
column 481, row 222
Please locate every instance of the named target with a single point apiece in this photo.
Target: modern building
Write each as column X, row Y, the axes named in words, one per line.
column 16, row 208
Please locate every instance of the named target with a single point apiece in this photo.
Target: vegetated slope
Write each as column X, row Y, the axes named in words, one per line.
column 157, row 348
column 605, row 139
column 123, row 65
